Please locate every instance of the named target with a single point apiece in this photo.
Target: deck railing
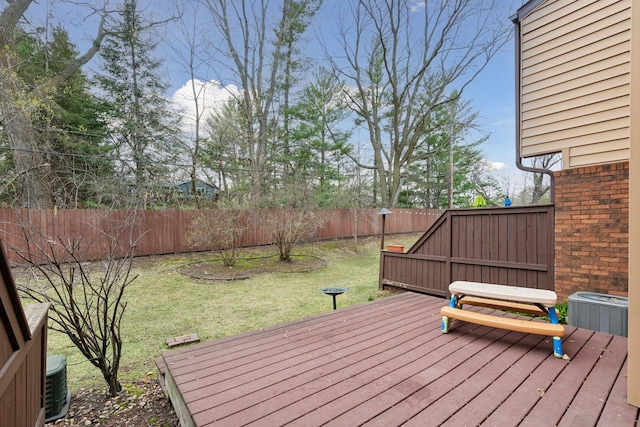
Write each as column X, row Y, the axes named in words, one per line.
column 23, row 356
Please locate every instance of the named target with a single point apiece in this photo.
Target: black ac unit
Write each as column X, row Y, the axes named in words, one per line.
column 57, row 395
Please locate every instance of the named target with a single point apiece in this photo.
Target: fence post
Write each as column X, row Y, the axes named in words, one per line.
column 448, row 249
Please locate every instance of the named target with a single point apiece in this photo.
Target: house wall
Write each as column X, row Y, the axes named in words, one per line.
column 575, row 77
column 633, row 373
column 591, row 228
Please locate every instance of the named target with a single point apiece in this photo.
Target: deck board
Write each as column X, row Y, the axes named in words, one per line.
column 386, row 363
column 390, row 387
column 485, row 403
column 534, row 384
column 318, row 385
column 432, row 383
column 292, row 364
column 593, row 393
column 559, row 395
column 616, row 410
column 474, row 385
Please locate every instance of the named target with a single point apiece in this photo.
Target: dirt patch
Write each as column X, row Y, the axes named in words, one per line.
column 140, row 404
column 250, row 267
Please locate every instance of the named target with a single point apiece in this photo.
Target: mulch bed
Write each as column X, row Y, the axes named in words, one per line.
column 250, row 267
column 140, row 404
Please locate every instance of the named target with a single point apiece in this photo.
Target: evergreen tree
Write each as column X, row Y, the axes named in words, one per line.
column 317, row 143
column 67, row 125
column 226, row 151
column 142, row 127
column 21, row 103
column 448, row 139
column 299, row 17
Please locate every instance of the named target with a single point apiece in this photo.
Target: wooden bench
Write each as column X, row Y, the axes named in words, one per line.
column 511, row 298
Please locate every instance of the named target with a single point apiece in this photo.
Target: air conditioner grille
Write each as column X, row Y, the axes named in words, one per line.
column 56, row 387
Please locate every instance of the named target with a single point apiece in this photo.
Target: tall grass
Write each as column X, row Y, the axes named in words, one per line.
column 164, row 303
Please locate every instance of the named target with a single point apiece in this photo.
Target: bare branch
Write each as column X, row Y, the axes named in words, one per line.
column 403, row 63
column 87, row 304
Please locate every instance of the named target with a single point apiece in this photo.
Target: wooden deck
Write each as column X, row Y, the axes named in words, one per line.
column 386, row 363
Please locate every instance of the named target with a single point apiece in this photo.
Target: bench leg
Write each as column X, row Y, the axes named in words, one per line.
column 557, row 341
column 453, row 301
column 446, row 322
column 557, row 347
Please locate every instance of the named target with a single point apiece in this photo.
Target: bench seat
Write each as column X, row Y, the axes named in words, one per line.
column 539, row 302
column 507, row 293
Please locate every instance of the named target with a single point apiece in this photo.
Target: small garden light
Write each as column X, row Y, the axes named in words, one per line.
column 384, row 212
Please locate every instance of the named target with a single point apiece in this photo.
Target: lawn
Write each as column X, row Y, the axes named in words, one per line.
column 163, row 302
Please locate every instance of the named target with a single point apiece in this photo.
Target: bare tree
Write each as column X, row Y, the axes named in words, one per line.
column 143, row 128
column 19, row 105
column 535, row 186
column 509, row 184
column 187, row 51
column 87, row 302
column 355, row 195
column 226, row 150
column 222, row 229
column 540, row 185
column 290, row 216
column 255, row 51
column 402, row 60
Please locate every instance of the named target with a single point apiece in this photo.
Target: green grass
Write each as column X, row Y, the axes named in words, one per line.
column 164, row 303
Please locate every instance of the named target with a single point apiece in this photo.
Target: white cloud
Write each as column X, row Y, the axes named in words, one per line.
column 211, row 95
column 417, row 6
column 496, row 166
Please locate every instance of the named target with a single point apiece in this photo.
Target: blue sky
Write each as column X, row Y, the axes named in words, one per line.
column 492, row 93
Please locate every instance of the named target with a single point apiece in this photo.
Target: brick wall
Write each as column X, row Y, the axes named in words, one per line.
column 592, row 230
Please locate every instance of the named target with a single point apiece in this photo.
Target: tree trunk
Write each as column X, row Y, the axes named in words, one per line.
column 114, row 385
column 539, row 189
column 31, row 167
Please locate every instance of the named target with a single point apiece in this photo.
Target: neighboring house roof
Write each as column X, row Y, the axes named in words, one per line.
column 200, row 186
column 203, row 189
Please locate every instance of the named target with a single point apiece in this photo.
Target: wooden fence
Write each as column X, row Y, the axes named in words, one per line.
column 23, row 355
column 507, row 246
column 163, row 232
